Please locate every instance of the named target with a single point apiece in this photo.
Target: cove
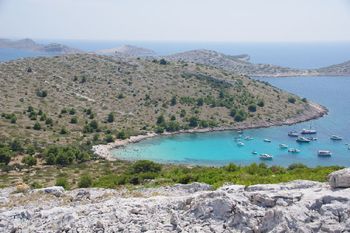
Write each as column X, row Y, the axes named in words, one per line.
column 220, row 148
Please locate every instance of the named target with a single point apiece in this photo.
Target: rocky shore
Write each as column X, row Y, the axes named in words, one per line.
column 315, row 111
column 298, row 206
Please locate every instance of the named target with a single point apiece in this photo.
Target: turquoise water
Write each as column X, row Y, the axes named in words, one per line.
column 218, row 148
column 7, row 54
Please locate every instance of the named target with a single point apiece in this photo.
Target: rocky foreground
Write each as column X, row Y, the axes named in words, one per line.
column 298, row 206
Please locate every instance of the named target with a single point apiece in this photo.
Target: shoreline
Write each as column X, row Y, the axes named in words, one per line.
column 104, row 150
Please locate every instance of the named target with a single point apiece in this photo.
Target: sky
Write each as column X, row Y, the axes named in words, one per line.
column 177, row 20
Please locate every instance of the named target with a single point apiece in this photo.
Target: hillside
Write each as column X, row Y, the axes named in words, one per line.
column 79, row 98
column 31, row 45
column 235, row 64
column 342, row 69
column 127, row 50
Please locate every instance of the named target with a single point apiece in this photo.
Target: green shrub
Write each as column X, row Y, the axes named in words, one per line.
column 109, row 138
column 29, row 160
column 193, row 121
column 41, row 93
column 261, row 103
column 65, row 155
column 122, row 135
column 110, row 117
column 291, row 99
column 63, row 131
column 85, row 181
column 163, row 61
column 37, row 126
column 63, row 182
column 252, row 108
column 5, row 155
column 160, row 120
column 72, row 111
column 143, row 166
column 173, row 101
column 49, row 121
column 74, row 120
column 13, row 119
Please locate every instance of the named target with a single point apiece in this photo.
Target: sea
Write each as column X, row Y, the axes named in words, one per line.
column 220, row 148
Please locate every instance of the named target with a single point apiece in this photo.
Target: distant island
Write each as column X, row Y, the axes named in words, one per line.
column 31, row 45
column 128, row 50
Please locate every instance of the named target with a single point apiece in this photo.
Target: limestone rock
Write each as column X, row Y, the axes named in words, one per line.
column 340, row 179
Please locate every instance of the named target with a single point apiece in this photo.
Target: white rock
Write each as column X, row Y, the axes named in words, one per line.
column 340, row 179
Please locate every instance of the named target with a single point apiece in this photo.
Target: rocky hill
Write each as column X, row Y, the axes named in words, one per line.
column 342, row 69
column 298, row 206
column 70, row 98
column 235, row 64
column 128, row 50
column 28, row 44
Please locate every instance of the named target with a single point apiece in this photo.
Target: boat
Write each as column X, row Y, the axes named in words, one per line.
column 293, row 134
column 324, row 153
column 283, row 146
column 303, row 139
column 265, row 156
column 336, row 138
column 240, row 144
column 248, row 138
column 308, row 131
column 293, row 150
column 240, row 132
column 312, row 138
column 254, row 152
column 267, row 140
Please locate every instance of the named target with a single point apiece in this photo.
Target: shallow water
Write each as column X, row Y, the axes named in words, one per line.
column 218, row 148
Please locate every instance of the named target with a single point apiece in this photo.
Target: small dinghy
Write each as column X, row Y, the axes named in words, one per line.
column 293, row 150
column 312, row 138
column 254, row 152
column 303, row 140
column 267, row 140
column 324, row 153
column 293, row 134
column 248, row 138
column 336, row 138
column 265, row 157
column 283, row 146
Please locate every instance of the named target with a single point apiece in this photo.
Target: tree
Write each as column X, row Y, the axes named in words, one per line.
column 110, row 117
column 193, row 121
column 163, row 61
column 109, row 138
column 143, row 166
column 93, row 124
column 121, row 135
column 200, row 102
column 49, row 121
column 72, row 111
column 63, row 130
column 161, row 120
column 5, row 155
column 37, row 126
column 252, row 108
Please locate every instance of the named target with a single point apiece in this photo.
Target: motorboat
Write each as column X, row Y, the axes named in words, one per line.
column 324, row 153
column 254, row 152
column 265, row 156
column 308, row 131
column 293, row 134
column 283, row 146
column 248, row 138
column 267, row 140
column 312, row 138
column 293, row 150
column 303, row 140
column 240, row 144
column 336, row 138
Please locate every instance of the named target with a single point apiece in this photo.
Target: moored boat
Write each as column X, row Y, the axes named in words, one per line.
column 267, row 140
column 293, row 150
column 336, row 138
column 248, row 138
column 254, row 152
column 240, row 144
column 324, row 153
column 303, row 140
column 265, row 156
column 293, row 134
column 283, row 146
column 308, row 131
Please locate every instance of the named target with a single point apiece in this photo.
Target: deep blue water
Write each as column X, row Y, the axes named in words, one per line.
column 218, row 148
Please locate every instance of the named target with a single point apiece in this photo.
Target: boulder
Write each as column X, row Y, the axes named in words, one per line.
column 340, row 179
column 54, row 190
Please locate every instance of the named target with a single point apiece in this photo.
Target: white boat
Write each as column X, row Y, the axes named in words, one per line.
column 267, row 140
column 248, row 138
column 283, row 146
column 293, row 150
column 308, row 131
column 312, row 138
column 265, row 156
column 240, row 144
column 254, row 152
column 293, row 134
column 336, row 138
column 324, row 153
column 303, row 139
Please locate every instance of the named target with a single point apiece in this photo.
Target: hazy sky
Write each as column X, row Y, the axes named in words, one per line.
column 177, row 20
